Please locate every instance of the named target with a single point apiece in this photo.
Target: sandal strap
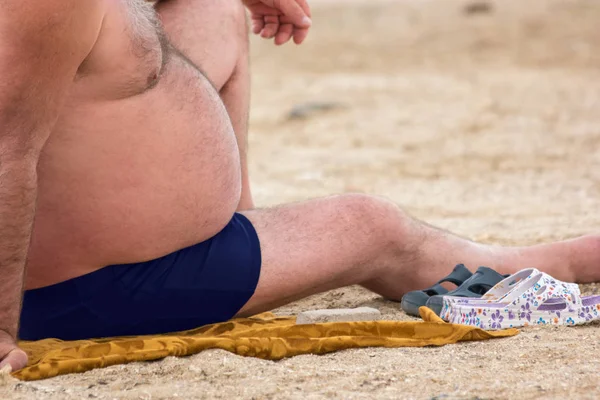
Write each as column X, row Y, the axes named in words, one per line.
column 484, row 278
column 506, row 286
column 459, row 274
column 540, row 288
column 437, row 288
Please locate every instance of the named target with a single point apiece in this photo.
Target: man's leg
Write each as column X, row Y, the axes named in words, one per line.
column 323, row 244
column 213, row 34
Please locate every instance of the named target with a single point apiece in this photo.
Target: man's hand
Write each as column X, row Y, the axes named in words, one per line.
column 281, row 19
column 10, row 354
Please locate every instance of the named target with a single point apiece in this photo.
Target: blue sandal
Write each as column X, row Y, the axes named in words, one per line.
column 411, row 301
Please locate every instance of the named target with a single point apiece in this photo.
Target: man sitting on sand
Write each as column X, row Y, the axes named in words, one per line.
column 125, row 139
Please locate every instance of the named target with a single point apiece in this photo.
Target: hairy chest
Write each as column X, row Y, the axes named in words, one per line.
column 128, row 56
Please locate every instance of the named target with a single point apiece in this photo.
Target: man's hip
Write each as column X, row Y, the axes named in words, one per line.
column 201, row 284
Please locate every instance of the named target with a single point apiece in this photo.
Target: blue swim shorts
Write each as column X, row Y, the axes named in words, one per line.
column 202, row 284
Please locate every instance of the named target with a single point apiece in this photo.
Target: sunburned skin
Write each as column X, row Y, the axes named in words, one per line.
column 142, row 162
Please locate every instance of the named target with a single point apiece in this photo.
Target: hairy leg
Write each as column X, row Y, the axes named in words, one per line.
column 213, row 34
column 323, row 244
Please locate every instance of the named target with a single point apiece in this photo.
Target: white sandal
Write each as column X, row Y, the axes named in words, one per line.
column 507, row 285
column 530, row 298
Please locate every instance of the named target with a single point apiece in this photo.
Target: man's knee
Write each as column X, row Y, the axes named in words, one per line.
column 235, row 10
column 381, row 221
column 228, row 15
column 213, row 34
column 232, row 18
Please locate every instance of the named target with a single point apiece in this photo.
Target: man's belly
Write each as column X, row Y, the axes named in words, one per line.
column 134, row 179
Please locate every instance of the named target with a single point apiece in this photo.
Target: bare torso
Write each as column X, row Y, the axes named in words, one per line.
column 143, row 159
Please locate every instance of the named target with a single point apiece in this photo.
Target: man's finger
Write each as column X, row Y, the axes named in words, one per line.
column 284, row 34
column 258, row 23
column 300, row 35
column 15, row 360
column 292, row 10
column 271, row 26
column 305, row 7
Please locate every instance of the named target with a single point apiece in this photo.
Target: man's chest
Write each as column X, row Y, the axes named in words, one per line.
column 128, row 56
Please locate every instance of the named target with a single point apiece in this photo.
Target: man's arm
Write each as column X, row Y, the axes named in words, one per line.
column 42, row 45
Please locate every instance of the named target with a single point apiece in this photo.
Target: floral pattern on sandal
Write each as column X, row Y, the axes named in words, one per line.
column 506, row 286
column 534, row 298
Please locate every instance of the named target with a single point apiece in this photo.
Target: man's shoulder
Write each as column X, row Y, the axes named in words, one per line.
column 39, row 17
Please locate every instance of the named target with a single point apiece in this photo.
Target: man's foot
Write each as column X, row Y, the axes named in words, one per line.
column 573, row 260
column 437, row 252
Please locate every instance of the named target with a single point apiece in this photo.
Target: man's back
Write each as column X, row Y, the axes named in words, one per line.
column 142, row 160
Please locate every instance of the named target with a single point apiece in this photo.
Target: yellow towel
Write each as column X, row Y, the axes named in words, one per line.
column 264, row 336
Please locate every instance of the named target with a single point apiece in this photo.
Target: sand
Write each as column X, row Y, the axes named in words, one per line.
column 482, row 120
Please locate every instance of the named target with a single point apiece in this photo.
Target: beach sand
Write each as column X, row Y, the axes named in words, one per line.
column 484, row 120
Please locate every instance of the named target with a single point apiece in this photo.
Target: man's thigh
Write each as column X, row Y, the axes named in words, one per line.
column 211, row 33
